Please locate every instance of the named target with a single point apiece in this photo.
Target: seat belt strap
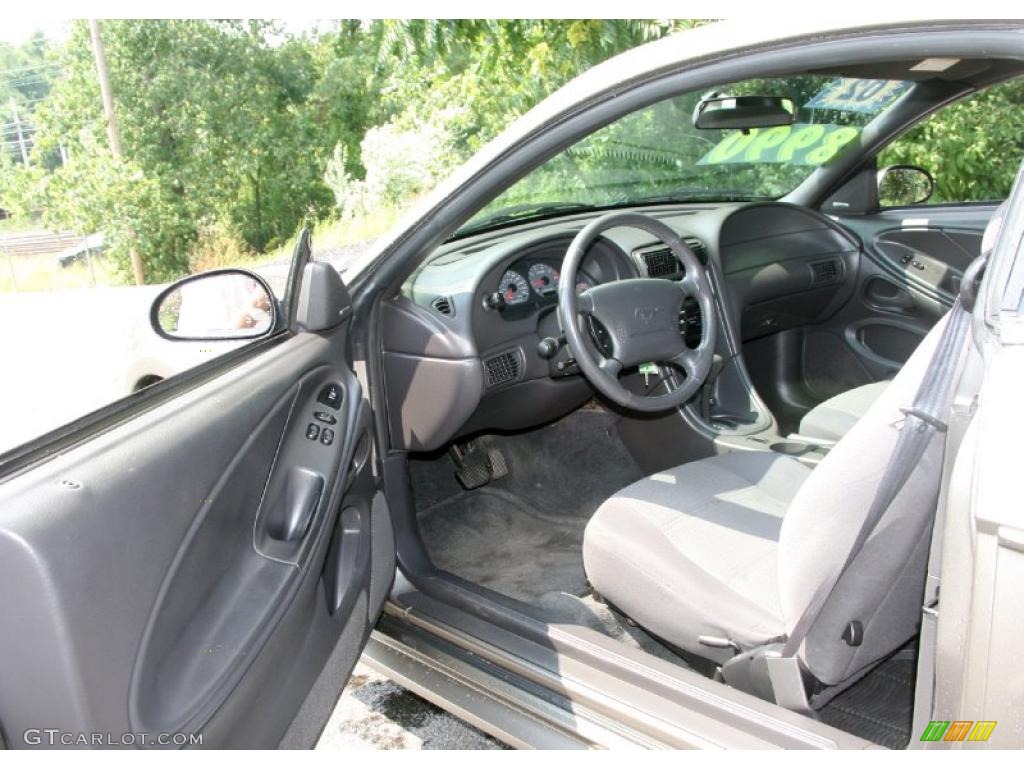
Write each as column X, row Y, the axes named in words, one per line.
column 922, row 421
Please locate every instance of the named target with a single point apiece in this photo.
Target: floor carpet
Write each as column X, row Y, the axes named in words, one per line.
column 522, row 534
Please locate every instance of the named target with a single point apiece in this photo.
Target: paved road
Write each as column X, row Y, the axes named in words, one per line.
column 64, row 354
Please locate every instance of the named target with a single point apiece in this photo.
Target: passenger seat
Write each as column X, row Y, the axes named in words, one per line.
column 833, row 418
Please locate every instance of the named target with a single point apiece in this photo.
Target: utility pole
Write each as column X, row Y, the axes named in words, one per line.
column 21, row 134
column 112, row 133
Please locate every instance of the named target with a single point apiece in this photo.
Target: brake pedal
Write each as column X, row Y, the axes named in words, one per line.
column 475, row 467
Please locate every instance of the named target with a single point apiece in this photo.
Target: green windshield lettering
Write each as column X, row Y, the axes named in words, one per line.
column 797, row 144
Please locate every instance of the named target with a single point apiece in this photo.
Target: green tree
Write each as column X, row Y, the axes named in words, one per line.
column 213, row 115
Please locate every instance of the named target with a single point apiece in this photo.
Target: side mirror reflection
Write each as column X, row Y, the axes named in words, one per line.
column 902, row 185
column 224, row 304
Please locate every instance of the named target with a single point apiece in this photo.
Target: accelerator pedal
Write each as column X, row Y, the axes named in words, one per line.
column 476, row 466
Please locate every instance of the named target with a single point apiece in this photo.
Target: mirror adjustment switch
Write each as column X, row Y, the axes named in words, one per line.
column 313, row 432
column 327, row 436
column 330, row 396
column 326, row 418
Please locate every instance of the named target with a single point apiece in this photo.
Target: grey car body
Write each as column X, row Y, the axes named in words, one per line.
column 154, row 580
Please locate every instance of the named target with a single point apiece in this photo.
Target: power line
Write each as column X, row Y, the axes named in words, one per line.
column 50, row 65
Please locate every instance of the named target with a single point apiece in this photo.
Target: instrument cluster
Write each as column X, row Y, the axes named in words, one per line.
column 535, row 282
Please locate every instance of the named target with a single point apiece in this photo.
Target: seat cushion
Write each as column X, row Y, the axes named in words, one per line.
column 691, row 551
column 835, row 417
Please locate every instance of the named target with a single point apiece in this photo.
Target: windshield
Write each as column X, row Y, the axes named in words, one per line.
column 657, row 155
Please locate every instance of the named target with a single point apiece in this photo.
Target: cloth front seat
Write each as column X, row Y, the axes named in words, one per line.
column 730, row 549
column 833, row 418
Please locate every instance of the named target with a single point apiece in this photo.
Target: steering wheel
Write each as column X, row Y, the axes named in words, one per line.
column 640, row 317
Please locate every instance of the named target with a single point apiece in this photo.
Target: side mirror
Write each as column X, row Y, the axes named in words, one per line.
column 902, row 185
column 743, row 112
column 224, row 304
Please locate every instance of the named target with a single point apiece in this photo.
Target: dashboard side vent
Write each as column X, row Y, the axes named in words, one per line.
column 825, row 272
column 502, row 369
column 443, row 305
column 661, row 262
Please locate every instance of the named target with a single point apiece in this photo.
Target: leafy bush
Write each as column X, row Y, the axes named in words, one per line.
column 400, row 166
column 972, row 148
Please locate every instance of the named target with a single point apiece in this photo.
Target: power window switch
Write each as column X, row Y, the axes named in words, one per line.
column 326, row 418
column 327, row 436
column 313, row 432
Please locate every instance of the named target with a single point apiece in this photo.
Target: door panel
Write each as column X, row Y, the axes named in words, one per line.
column 905, row 280
column 924, row 247
column 193, row 569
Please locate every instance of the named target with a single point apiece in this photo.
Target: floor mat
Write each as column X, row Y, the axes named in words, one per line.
column 563, row 470
column 880, row 706
column 522, row 534
column 493, row 538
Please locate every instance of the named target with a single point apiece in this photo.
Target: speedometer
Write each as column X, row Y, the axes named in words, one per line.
column 514, row 288
column 543, row 278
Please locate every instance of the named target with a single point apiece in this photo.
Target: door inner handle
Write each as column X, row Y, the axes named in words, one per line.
column 293, row 504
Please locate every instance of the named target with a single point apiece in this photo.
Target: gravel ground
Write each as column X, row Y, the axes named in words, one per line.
column 376, row 713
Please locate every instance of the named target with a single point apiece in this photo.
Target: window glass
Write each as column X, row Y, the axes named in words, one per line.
column 972, row 148
column 657, row 154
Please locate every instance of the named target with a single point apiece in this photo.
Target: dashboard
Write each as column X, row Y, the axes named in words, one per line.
column 464, row 340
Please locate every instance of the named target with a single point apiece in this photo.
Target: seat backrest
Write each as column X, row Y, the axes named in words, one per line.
column 883, row 587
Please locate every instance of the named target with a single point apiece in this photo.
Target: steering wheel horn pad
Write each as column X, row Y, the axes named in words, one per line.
column 641, row 317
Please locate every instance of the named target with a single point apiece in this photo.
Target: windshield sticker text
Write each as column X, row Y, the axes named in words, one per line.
column 797, row 144
column 852, row 94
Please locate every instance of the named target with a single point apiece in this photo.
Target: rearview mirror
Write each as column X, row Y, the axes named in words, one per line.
column 901, row 185
column 224, row 304
column 743, row 112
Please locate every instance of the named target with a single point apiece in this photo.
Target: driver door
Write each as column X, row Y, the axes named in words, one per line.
column 191, row 566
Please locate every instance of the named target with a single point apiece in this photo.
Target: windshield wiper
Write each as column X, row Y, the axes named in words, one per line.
column 524, row 212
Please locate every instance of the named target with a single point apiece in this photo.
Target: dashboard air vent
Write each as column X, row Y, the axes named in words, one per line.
column 501, row 369
column 661, row 262
column 443, row 304
column 825, row 271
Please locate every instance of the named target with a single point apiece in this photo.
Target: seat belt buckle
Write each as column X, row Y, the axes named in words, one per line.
column 939, row 425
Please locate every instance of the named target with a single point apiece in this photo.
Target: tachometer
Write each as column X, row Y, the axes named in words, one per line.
column 514, row 288
column 543, row 278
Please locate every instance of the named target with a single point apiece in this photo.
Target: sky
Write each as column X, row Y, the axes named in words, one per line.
column 17, row 29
